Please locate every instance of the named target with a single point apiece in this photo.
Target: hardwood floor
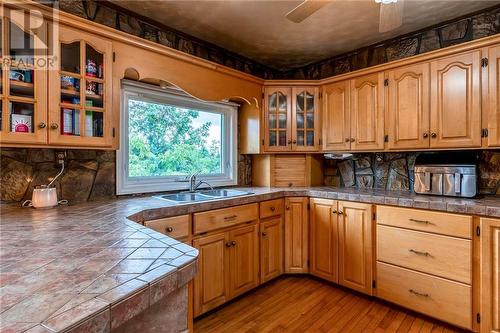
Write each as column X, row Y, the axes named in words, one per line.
column 307, row 304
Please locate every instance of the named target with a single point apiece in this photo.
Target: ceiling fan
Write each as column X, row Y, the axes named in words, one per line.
column 390, row 17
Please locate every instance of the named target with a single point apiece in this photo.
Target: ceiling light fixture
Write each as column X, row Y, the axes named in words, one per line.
column 386, row 2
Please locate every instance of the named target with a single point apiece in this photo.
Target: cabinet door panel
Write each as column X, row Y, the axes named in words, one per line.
column 296, row 235
column 23, row 81
column 244, row 259
column 355, row 246
column 492, row 115
column 271, row 263
column 305, row 119
column 324, row 239
column 277, row 119
column 80, row 94
column 490, row 275
column 210, row 284
column 456, row 101
column 336, row 116
column 367, row 112
column 408, row 107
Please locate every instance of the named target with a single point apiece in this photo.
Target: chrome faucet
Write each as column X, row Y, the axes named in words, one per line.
column 193, row 184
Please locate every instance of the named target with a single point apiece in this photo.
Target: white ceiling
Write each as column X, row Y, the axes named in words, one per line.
column 259, row 30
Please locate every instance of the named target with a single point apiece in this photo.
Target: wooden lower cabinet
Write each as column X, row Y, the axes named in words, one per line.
column 324, row 239
column 490, row 275
column 355, row 227
column 296, row 235
column 211, row 281
column 243, row 259
column 228, row 265
column 271, row 248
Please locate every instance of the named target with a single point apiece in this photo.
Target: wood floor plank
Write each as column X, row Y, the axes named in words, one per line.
column 298, row 304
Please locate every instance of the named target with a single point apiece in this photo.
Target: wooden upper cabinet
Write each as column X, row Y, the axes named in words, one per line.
column 277, row 119
column 408, row 107
column 80, row 92
column 243, row 259
column 271, row 248
column 305, row 119
column 336, row 116
column 211, row 281
column 456, row 101
column 324, row 239
column 23, row 82
column 367, row 112
column 492, row 112
column 355, row 227
column 490, row 275
column 296, row 235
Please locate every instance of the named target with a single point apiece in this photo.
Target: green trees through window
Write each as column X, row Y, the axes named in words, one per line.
column 166, row 140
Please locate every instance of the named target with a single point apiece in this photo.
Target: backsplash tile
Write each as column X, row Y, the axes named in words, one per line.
column 89, row 174
column 394, row 171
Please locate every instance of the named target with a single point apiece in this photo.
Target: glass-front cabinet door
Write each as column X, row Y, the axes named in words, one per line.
column 305, row 122
column 277, row 119
column 80, row 91
column 23, row 83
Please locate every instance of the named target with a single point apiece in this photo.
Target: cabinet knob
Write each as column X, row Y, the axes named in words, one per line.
column 289, row 141
column 352, row 140
column 42, row 125
column 334, row 211
column 228, row 244
column 233, row 243
column 169, row 229
column 433, row 135
column 425, row 135
column 347, row 140
column 272, row 208
column 340, row 212
column 54, row 126
column 294, row 142
column 264, row 234
column 287, row 207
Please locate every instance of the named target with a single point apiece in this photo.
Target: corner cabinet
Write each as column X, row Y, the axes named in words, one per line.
column 490, row 275
column 23, row 88
column 291, row 119
column 80, row 92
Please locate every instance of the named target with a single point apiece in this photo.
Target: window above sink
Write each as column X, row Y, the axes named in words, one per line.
column 167, row 134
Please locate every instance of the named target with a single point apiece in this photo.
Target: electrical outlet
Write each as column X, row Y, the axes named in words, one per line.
column 60, row 157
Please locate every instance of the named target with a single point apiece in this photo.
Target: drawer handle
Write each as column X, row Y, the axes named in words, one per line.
column 169, row 229
column 418, row 294
column 272, row 208
column 420, row 253
column 229, row 218
column 421, row 221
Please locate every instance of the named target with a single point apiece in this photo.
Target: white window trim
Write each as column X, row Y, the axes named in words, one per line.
column 146, row 92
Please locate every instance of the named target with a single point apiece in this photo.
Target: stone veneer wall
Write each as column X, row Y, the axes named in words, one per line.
column 460, row 30
column 89, row 174
column 394, row 171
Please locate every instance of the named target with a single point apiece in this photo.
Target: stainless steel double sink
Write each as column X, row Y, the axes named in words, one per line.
column 203, row 195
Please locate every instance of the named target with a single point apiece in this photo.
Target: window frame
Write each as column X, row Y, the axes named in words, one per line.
column 174, row 96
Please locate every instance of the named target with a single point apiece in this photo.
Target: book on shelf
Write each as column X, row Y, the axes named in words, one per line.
column 70, row 122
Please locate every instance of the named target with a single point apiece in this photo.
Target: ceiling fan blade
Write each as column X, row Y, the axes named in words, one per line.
column 305, row 9
column 391, row 16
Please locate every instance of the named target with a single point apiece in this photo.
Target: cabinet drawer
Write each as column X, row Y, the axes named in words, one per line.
column 440, row 298
column 226, row 217
column 425, row 220
column 176, row 227
column 443, row 256
column 271, row 208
